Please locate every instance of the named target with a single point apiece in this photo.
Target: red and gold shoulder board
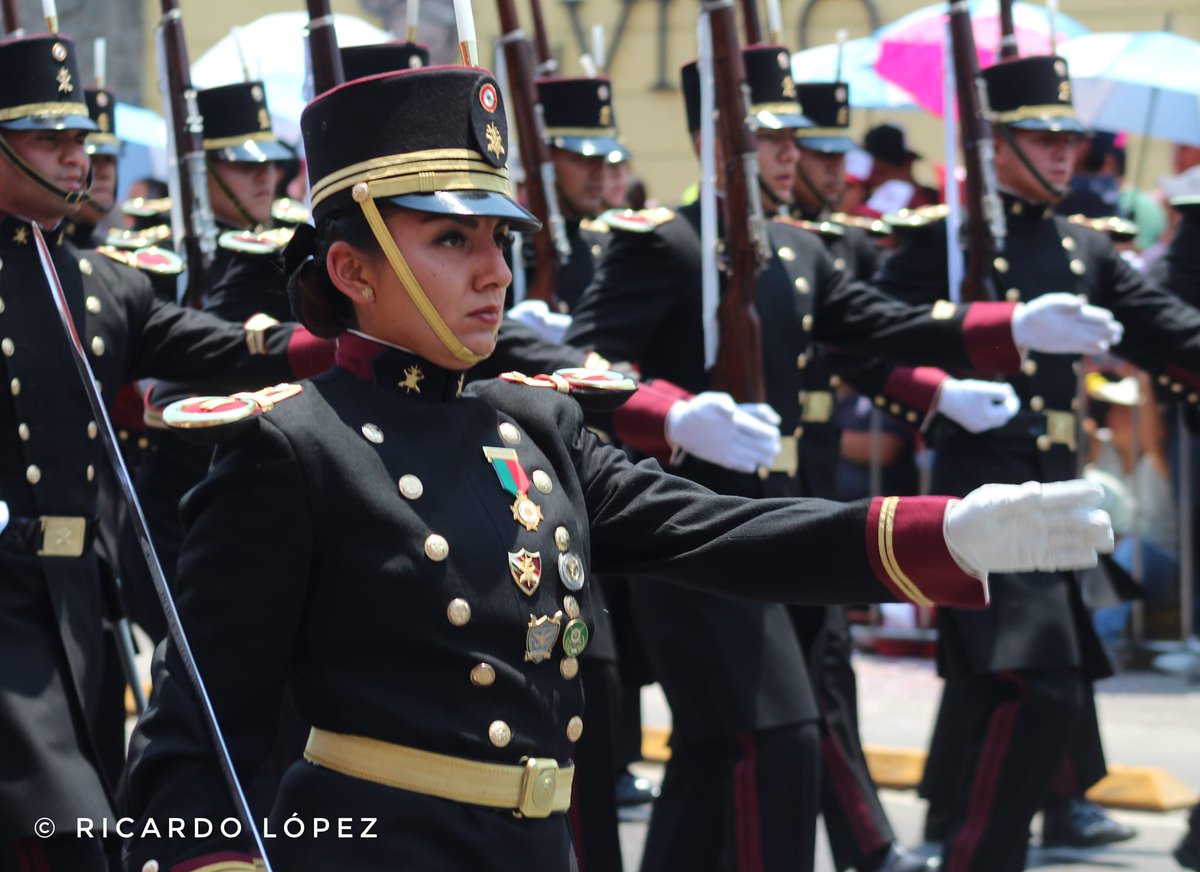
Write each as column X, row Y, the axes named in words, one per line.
column 249, row 242
column 285, row 210
column 637, row 220
column 593, row 388
column 917, row 219
column 198, row 413
column 821, row 228
column 141, row 207
column 152, row 259
column 134, row 239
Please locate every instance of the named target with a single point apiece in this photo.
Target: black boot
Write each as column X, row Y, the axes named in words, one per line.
column 898, row 859
column 1080, row 823
column 1187, row 853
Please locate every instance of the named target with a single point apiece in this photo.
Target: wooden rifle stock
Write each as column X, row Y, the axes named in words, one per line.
column 198, row 229
column 984, row 224
column 323, row 54
column 534, row 153
column 751, row 22
column 739, row 368
column 546, row 64
column 1008, row 32
column 12, row 18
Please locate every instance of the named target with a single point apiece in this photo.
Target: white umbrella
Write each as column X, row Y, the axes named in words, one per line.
column 1146, row 83
column 274, row 51
column 868, row 90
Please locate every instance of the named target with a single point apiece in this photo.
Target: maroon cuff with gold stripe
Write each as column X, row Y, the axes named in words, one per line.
column 1184, row 376
column 908, row 552
column 309, row 355
column 641, row 422
column 916, row 387
column 987, row 335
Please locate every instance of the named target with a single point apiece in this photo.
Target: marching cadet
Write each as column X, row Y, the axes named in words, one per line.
column 103, row 148
column 1020, row 674
column 856, row 824
column 413, row 561
column 50, row 612
column 644, row 306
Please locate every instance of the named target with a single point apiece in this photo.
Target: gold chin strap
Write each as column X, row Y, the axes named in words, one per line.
column 362, row 195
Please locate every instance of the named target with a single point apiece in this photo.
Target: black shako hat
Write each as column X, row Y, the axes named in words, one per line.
column 827, row 106
column 578, row 114
column 102, row 108
column 773, row 100
column 41, row 89
column 1032, row 93
column 237, row 125
column 886, row 142
column 360, row 61
column 433, row 139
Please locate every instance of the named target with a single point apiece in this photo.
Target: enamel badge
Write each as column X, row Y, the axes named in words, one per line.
column 541, row 636
column 526, row 569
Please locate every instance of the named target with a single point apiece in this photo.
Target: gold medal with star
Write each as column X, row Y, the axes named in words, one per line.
column 514, row 480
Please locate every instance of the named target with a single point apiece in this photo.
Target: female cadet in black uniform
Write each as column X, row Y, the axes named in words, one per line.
column 413, row 560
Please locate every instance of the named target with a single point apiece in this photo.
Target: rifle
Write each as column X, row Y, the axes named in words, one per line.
column 191, row 212
column 750, row 22
column 738, row 369
column 550, row 245
column 547, row 65
column 323, row 54
column 1008, row 32
column 984, row 229
column 12, row 19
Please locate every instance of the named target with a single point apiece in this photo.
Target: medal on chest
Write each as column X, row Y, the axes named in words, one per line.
column 513, row 479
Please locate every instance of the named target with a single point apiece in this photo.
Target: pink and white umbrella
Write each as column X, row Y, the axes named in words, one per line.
column 912, row 49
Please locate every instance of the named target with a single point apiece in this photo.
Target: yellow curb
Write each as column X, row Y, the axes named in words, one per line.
column 1141, row 788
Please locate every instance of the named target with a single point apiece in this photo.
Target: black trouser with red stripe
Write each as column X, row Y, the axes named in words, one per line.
column 1020, row 725
column 855, row 822
column 748, row 803
column 593, row 800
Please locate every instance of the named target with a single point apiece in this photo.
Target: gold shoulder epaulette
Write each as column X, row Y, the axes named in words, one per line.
column 140, row 207
column 151, row 259
column 1116, row 228
column 598, row 389
column 131, row 239
column 821, row 228
column 285, row 210
column 637, row 220
column 261, row 243
column 198, row 413
column 594, row 225
column 915, row 219
column 874, row 226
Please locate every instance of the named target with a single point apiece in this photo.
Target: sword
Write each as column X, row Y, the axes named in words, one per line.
column 100, row 413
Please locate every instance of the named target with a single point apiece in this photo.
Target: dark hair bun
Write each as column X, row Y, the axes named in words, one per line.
column 317, row 303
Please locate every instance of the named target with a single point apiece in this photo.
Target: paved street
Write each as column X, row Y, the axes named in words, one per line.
column 1146, row 719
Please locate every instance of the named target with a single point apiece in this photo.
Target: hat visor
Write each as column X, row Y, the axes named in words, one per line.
column 591, row 146
column 780, row 120
column 483, row 203
column 254, row 151
column 50, row 122
column 826, row 144
column 1053, row 124
column 110, row 146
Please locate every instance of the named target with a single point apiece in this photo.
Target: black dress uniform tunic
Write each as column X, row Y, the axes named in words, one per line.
column 50, row 612
column 368, row 541
column 1026, row 662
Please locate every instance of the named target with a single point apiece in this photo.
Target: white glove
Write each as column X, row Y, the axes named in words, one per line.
column 977, row 405
column 3, row 515
column 1028, row 527
column 1061, row 323
column 536, row 315
column 712, row 427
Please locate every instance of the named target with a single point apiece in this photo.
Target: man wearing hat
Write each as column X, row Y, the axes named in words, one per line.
column 1019, row 677
column 893, row 166
column 745, row 731
column 50, row 611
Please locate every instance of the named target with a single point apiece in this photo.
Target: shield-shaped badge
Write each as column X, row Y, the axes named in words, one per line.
column 541, row 636
column 526, row 569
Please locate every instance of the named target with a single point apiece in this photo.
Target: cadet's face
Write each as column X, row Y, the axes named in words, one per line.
column 581, row 182
column 253, row 184
column 1053, row 154
column 777, row 154
column 616, row 185
column 56, row 155
column 459, row 263
column 827, row 173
